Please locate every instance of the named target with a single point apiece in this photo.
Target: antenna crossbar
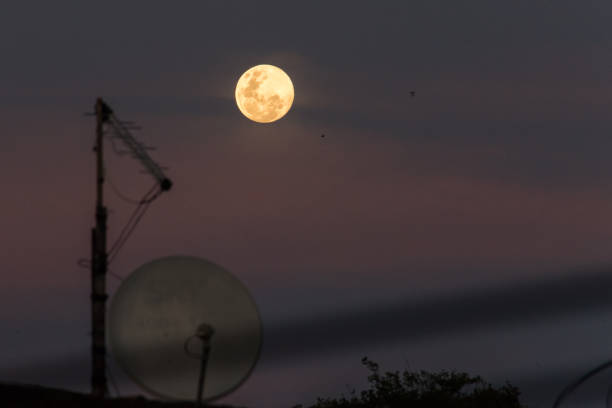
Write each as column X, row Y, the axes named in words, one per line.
column 138, row 150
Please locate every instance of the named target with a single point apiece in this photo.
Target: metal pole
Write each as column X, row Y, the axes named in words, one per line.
column 204, row 333
column 203, row 363
column 99, row 386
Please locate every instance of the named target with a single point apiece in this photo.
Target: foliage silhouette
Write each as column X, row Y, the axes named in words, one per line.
column 446, row 389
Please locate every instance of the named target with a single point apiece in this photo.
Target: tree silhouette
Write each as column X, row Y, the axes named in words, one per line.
column 446, row 389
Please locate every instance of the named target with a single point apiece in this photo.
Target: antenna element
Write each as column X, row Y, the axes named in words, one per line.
column 138, row 150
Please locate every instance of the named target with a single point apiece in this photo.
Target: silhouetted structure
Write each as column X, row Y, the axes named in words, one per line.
column 99, row 386
column 99, row 255
column 35, row 396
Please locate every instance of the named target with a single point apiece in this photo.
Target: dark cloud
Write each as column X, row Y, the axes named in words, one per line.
column 583, row 291
column 579, row 293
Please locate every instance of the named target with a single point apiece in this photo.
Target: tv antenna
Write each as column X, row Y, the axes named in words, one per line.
column 99, row 256
column 184, row 328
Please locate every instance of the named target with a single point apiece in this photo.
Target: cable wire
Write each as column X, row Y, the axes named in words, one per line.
column 83, row 263
column 135, row 218
column 189, row 352
column 131, row 219
column 114, row 275
column 114, row 146
column 120, row 245
column 127, row 230
column 111, row 377
column 120, row 194
column 571, row 387
column 86, row 264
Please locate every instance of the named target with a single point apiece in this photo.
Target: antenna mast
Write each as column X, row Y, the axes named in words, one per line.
column 99, row 256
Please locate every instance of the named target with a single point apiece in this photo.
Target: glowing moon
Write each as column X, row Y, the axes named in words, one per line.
column 264, row 93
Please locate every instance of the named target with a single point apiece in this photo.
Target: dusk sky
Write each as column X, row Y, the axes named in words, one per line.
column 468, row 227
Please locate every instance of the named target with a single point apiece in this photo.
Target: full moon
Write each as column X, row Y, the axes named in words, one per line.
column 264, row 93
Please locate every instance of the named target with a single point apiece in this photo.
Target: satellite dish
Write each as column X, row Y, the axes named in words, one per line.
column 184, row 328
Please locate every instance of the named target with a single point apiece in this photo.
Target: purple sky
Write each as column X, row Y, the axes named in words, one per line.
column 487, row 195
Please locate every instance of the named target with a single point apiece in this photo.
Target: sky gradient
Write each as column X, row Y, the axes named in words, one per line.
column 466, row 228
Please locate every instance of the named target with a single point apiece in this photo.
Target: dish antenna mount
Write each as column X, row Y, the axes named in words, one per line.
column 184, row 328
column 204, row 333
column 99, row 257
